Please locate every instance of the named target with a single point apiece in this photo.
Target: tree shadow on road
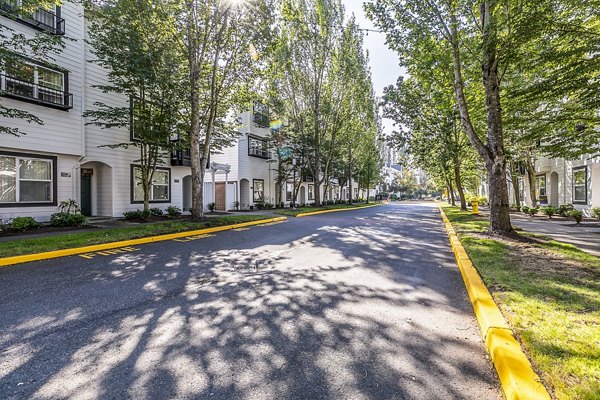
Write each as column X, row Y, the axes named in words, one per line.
column 329, row 315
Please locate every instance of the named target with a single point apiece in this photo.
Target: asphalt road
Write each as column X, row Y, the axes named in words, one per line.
column 365, row 304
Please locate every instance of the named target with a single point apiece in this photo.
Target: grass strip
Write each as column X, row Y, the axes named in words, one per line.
column 100, row 236
column 549, row 293
column 302, row 210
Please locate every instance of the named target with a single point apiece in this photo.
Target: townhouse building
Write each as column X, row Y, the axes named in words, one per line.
column 559, row 181
column 66, row 158
column 252, row 173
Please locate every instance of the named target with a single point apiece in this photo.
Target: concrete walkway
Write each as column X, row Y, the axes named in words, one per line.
column 586, row 235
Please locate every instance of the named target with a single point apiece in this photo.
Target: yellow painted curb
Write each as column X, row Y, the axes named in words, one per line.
column 517, row 377
column 113, row 245
column 334, row 210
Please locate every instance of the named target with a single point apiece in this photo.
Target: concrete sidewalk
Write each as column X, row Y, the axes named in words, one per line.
column 586, row 235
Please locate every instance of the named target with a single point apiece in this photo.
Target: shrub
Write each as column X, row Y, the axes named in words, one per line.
column 533, row 210
column 236, row 205
column 173, row 211
column 22, row 224
column 565, row 209
column 596, row 212
column 136, row 215
column 211, row 207
column 69, row 206
column 577, row 215
column 525, row 209
column 483, row 201
column 156, row 212
column 66, row 219
column 549, row 210
column 268, row 206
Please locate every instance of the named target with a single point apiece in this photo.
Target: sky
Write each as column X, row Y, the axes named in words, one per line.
column 384, row 62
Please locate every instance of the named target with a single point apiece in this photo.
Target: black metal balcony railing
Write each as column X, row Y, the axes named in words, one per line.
column 14, row 87
column 258, row 152
column 41, row 19
column 181, row 158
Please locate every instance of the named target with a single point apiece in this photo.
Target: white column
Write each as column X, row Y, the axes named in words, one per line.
column 214, row 188
column 226, row 184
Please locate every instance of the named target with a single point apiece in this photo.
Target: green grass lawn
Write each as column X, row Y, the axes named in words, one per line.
column 550, row 293
column 301, row 210
column 99, row 236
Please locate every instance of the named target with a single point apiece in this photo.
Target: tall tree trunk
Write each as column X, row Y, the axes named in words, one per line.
column 451, row 193
column 350, row 186
column 514, row 178
column 531, row 178
column 492, row 153
column 457, row 181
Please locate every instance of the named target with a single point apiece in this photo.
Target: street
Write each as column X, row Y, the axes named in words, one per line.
column 365, row 304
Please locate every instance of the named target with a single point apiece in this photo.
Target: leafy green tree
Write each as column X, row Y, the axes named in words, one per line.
column 136, row 43
column 14, row 46
column 486, row 33
column 308, row 78
column 223, row 42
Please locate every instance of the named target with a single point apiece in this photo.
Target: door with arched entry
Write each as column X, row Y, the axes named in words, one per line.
column 244, row 194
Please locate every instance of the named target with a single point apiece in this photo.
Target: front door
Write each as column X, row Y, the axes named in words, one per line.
column 86, row 192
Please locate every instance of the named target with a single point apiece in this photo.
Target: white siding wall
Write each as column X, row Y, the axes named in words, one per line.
column 64, row 188
column 62, row 130
column 564, row 169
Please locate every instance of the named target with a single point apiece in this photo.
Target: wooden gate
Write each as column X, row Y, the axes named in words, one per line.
column 220, row 196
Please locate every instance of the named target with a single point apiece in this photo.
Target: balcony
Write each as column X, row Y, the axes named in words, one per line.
column 16, row 88
column 261, row 115
column 181, row 158
column 41, row 19
column 258, row 152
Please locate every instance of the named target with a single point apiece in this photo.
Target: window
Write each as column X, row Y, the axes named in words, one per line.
column 261, row 115
column 289, row 191
column 580, row 185
column 27, row 180
column 540, row 187
column 36, row 83
column 258, row 147
column 258, row 190
column 41, row 19
column 311, row 192
column 160, row 188
column 540, row 181
column 356, row 193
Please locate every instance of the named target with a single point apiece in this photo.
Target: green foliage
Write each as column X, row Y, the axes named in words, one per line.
column 549, row 210
column 156, row 212
column 22, row 224
column 596, row 212
column 67, row 219
column 565, row 209
column 69, row 206
column 211, row 207
column 173, row 211
column 577, row 215
column 136, row 215
column 135, row 42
